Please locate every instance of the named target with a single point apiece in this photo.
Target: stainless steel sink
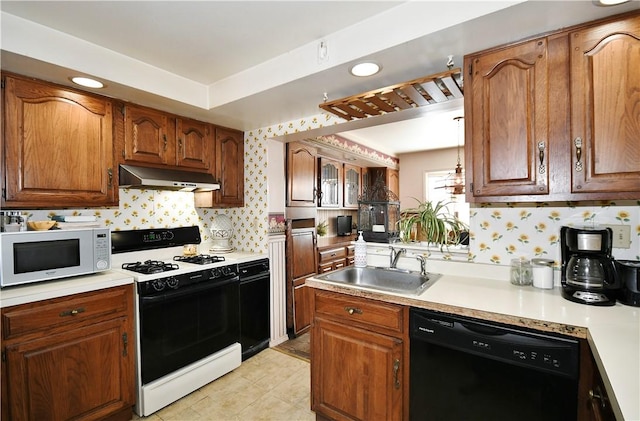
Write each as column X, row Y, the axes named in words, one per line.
column 385, row 279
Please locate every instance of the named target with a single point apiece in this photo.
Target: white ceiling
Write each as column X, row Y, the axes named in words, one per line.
column 251, row 64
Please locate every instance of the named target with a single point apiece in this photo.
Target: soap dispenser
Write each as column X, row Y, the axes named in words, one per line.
column 360, row 251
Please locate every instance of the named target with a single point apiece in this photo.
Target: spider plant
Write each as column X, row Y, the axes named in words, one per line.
column 431, row 222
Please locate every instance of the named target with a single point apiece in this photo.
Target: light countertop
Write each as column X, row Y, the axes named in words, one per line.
column 22, row 294
column 483, row 291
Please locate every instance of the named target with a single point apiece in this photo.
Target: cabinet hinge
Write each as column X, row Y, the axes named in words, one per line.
column 125, row 343
column 4, row 193
column 122, row 109
column 2, row 83
column 4, row 355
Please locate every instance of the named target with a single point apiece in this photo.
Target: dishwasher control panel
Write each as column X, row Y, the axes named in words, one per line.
column 542, row 351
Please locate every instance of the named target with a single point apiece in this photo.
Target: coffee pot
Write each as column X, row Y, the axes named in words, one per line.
column 588, row 272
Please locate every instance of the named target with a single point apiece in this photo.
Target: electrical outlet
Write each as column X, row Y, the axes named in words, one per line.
column 621, row 236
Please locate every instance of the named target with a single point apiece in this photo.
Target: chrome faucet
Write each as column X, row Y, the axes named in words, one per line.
column 394, row 256
column 423, row 264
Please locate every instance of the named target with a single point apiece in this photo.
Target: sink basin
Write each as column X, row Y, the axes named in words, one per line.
column 385, row 279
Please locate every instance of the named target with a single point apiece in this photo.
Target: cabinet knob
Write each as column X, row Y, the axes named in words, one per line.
column 72, row 312
column 353, row 310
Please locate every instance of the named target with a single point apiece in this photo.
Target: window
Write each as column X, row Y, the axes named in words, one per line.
column 434, row 183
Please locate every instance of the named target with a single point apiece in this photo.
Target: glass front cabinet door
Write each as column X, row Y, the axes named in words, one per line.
column 351, row 186
column 330, row 183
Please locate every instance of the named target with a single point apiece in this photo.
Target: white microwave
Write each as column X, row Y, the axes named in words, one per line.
column 36, row 256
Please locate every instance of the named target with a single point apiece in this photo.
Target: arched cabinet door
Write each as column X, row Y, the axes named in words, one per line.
column 58, row 147
column 301, row 175
column 507, row 103
column 605, row 107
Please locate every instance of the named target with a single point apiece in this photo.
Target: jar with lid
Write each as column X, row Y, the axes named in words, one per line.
column 521, row 273
column 542, row 270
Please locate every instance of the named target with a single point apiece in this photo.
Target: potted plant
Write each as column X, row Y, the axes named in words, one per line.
column 431, row 222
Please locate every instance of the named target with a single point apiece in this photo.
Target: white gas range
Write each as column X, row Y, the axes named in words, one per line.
column 187, row 313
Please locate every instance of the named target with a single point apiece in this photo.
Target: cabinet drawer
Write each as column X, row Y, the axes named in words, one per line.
column 332, row 254
column 363, row 311
column 44, row 315
column 351, row 250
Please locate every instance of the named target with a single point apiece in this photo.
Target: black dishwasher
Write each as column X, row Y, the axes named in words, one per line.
column 467, row 369
column 255, row 310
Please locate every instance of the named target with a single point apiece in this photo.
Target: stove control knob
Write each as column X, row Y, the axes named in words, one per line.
column 216, row 272
column 158, row 284
column 172, row 282
column 227, row 270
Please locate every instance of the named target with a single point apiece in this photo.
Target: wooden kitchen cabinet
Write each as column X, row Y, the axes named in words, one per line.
column 229, row 171
column 593, row 400
column 195, row 144
column 162, row 139
column 359, row 349
column 605, row 121
column 149, row 136
column 506, row 109
column 70, row 357
column 301, row 175
column 352, row 186
column 332, row 258
column 300, row 265
column 58, row 147
column 329, row 183
column 552, row 118
column 390, row 177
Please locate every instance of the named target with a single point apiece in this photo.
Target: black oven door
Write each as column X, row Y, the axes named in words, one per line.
column 183, row 326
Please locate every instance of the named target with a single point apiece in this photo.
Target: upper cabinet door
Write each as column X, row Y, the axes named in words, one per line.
column 57, row 147
column 506, row 108
column 301, row 175
column 229, row 167
column 352, row 186
column 330, row 179
column 147, row 136
column 605, row 107
column 195, row 144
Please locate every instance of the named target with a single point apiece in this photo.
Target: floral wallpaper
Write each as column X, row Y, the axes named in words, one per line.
column 498, row 232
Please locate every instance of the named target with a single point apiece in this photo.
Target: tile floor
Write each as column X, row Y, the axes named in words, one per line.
column 268, row 386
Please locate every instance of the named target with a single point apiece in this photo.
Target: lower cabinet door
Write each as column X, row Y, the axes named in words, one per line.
column 82, row 374
column 355, row 374
column 302, row 309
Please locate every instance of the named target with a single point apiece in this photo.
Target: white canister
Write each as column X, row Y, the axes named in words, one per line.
column 542, row 273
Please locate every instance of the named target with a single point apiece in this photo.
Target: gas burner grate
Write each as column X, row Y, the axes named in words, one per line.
column 201, row 259
column 150, row 266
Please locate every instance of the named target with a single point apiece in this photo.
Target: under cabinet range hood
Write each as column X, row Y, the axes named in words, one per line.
column 165, row 179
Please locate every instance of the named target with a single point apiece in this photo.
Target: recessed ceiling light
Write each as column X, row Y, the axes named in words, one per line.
column 87, row 82
column 365, row 69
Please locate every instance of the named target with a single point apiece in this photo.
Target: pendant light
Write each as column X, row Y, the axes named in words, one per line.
column 456, row 185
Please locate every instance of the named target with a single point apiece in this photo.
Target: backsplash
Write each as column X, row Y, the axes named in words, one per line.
column 499, row 233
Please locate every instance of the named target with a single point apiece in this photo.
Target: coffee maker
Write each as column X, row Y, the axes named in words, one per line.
column 588, row 272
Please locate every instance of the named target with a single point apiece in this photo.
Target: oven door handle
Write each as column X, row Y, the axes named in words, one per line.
column 174, row 294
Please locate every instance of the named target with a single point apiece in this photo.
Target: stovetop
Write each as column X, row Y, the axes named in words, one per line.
column 151, row 254
column 200, row 259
